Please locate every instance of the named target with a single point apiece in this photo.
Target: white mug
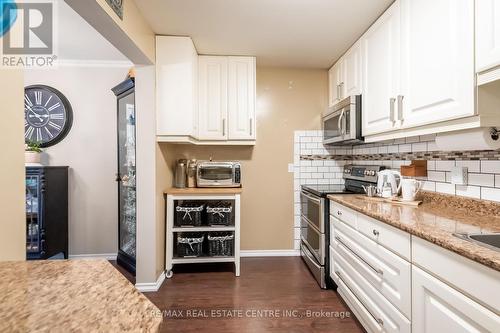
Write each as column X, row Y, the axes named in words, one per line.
column 409, row 188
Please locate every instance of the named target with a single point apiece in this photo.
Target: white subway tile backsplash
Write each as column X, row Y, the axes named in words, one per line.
column 406, row 148
column 468, row 191
column 383, row 150
column 324, row 169
column 428, row 137
column 317, row 163
column 490, row 166
column 444, row 165
column 497, row 180
column 419, row 147
column 431, row 165
column 437, row 176
column 413, row 139
column 316, row 175
column 393, row 149
column 431, row 146
column 472, row 166
column 445, row 188
column 492, row 194
column 429, row 186
column 482, row 179
column 399, row 141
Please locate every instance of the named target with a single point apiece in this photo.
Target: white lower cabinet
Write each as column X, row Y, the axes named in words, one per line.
column 425, row 290
column 437, row 307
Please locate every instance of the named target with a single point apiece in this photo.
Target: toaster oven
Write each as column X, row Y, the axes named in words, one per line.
column 218, row 174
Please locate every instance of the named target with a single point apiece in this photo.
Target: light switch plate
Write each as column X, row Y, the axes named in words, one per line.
column 459, row 175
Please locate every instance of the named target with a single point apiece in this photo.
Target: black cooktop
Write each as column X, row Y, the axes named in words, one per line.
column 324, row 190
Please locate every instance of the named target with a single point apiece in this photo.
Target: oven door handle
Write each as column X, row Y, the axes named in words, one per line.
column 309, row 256
column 318, row 200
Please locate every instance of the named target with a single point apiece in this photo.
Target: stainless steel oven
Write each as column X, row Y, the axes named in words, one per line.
column 341, row 124
column 312, row 234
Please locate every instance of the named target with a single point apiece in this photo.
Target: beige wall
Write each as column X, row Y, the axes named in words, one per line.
column 287, row 100
column 12, row 213
column 90, row 152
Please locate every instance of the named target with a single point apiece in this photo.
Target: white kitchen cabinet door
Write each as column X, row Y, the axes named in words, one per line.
column 487, row 34
column 351, row 71
column 438, row 307
column 241, row 98
column 334, row 83
column 381, row 71
column 212, row 90
column 438, row 58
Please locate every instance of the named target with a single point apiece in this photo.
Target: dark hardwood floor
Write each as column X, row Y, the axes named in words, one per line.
column 271, row 295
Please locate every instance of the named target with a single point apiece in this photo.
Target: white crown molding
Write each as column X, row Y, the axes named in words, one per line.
column 269, row 253
column 93, row 63
column 107, row 256
column 151, row 286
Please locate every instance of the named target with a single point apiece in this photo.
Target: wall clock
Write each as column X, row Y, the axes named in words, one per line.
column 47, row 115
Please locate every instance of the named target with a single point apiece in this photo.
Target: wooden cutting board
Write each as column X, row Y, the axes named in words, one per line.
column 394, row 201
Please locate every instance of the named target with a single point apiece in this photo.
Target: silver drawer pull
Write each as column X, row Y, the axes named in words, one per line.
column 376, row 270
column 339, row 213
column 375, row 232
column 380, row 321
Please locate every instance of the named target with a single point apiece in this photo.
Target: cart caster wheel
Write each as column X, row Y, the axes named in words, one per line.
column 169, row 274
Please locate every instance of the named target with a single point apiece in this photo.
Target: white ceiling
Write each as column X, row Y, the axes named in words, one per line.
column 288, row 33
column 79, row 41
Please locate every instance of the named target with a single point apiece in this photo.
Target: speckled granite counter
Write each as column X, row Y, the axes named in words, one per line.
column 436, row 219
column 71, row 296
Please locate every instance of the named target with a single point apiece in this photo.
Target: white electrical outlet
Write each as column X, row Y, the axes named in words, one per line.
column 459, row 175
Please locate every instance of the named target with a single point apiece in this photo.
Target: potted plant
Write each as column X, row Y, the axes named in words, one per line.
column 32, row 152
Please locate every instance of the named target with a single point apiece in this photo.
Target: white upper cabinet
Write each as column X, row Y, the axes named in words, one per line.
column 437, row 61
column 351, row 71
column 437, row 307
column 212, row 115
column 241, row 98
column 487, row 34
column 381, row 72
column 334, row 83
column 176, row 86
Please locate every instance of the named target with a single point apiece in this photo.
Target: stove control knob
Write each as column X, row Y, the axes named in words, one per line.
column 372, row 173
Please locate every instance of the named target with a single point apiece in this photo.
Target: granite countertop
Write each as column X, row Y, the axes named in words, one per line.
column 71, row 296
column 204, row 190
column 436, row 219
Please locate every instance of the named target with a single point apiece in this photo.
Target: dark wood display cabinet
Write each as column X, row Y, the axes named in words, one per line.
column 46, row 212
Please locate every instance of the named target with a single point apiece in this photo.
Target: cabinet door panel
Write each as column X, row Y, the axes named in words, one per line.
column 212, row 116
column 241, row 98
column 487, row 34
column 351, row 66
column 438, row 307
column 438, row 55
column 381, row 71
column 334, row 81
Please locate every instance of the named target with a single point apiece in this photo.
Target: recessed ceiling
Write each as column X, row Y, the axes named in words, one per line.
column 78, row 40
column 288, row 33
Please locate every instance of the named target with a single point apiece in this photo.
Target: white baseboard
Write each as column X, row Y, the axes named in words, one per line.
column 107, row 256
column 151, row 287
column 269, row 253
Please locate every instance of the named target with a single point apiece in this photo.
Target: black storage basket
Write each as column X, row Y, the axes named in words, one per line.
column 221, row 244
column 219, row 213
column 190, row 244
column 188, row 214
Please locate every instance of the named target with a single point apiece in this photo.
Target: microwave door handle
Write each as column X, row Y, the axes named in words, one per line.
column 339, row 124
column 344, row 123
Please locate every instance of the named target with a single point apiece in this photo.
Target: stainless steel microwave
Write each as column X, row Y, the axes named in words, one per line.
column 341, row 124
column 218, row 174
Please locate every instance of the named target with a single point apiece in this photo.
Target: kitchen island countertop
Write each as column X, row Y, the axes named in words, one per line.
column 71, row 296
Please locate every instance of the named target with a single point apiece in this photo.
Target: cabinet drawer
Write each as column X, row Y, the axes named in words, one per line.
column 344, row 214
column 386, row 317
column 396, row 240
column 477, row 281
column 384, row 270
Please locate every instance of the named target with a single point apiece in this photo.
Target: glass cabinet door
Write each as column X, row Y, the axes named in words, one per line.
column 32, row 213
column 127, row 173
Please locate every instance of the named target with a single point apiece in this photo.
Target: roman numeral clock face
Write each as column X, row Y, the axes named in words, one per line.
column 47, row 115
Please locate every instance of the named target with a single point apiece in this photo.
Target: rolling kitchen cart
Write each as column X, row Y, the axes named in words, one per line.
column 202, row 226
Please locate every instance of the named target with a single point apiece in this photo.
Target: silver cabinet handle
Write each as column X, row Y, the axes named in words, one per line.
column 376, row 270
column 339, row 213
column 341, row 96
column 251, row 126
column 392, row 105
column 400, row 108
column 223, row 127
column 379, row 321
column 375, row 232
column 338, row 91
